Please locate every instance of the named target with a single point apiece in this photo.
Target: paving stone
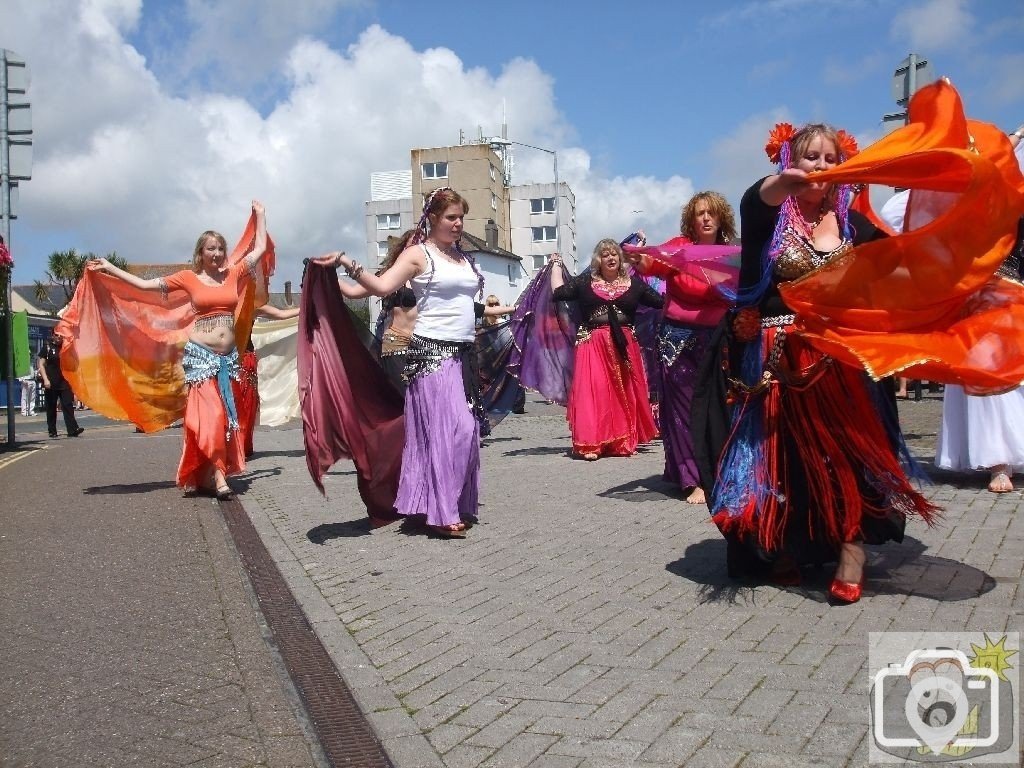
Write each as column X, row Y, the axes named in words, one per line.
column 642, row 630
column 132, row 626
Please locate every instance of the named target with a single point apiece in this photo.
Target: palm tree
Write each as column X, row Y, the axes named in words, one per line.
column 65, row 269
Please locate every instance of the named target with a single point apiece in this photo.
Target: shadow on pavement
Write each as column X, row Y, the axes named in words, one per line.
column 124, row 488
column 545, row 451
column 265, row 454
column 892, row 569
column 647, row 489
column 242, row 483
column 321, row 534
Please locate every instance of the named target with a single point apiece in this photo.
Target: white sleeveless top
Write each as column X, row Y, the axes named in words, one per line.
column 444, row 299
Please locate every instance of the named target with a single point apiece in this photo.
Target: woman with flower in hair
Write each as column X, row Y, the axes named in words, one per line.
column 609, row 409
column 440, row 465
column 693, row 309
column 810, row 472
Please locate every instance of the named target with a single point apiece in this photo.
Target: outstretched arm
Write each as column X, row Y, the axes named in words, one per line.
column 350, row 291
column 498, row 311
column 102, row 265
column 408, row 264
column 271, row 312
column 775, row 189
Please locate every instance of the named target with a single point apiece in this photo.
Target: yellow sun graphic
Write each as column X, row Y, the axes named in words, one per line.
column 994, row 656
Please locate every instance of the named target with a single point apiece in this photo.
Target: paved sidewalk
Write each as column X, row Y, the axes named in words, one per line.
column 588, row 620
column 129, row 637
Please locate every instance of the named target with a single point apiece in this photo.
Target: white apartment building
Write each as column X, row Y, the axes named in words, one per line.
column 541, row 223
column 509, row 230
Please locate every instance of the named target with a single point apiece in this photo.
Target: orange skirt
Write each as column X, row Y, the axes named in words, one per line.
column 609, row 409
column 209, row 443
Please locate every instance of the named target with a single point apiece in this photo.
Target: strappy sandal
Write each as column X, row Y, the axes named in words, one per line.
column 452, row 531
column 1000, row 481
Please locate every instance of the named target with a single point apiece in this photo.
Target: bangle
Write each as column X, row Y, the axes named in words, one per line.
column 354, row 270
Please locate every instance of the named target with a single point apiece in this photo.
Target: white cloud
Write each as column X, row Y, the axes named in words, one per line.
column 121, row 163
column 934, row 25
column 738, row 157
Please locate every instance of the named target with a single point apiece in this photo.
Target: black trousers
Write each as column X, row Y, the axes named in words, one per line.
column 67, row 403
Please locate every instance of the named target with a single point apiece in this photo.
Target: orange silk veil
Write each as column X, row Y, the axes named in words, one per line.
column 927, row 302
column 122, row 346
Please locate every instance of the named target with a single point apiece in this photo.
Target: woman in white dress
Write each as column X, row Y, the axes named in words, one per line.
column 987, row 433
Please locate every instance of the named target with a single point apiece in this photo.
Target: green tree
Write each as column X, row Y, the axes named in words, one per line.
column 65, row 269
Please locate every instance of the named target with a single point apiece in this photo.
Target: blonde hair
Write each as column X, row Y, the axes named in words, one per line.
column 595, row 259
column 491, row 319
column 718, row 207
column 197, row 252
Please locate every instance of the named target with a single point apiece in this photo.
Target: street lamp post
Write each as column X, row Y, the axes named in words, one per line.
column 502, row 142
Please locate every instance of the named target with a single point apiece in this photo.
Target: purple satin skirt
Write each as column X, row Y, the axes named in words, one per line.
column 680, row 351
column 441, row 459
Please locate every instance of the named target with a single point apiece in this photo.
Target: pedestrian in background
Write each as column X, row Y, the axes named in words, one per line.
column 29, row 386
column 56, row 388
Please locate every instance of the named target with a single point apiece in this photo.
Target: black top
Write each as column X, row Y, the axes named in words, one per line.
column 403, row 297
column 595, row 308
column 50, row 355
column 757, row 224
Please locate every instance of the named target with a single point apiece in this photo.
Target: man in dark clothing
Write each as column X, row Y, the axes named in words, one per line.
column 55, row 387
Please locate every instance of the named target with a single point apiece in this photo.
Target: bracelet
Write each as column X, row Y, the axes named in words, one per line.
column 354, row 270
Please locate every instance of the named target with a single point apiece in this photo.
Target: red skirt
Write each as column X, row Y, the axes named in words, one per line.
column 247, row 401
column 209, row 444
column 609, row 407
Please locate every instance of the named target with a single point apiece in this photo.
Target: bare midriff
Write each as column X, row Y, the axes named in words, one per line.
column 403, row 320
column 216, row 332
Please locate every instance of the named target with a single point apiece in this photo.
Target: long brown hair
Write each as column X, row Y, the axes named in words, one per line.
column 395, row 247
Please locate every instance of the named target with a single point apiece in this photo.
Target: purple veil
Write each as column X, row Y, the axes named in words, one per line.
column 544, row 339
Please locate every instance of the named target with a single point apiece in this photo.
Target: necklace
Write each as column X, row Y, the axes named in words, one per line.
column 449, row 253
column 809, row 226
column 614, row 288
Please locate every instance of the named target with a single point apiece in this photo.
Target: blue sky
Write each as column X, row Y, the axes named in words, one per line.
column 157, row 120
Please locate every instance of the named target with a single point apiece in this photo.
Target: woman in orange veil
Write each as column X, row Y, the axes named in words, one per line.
column 220, row 293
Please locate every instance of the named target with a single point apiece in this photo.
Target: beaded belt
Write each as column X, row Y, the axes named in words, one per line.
column 777, row 321
column 394, row 343
column 213, row 322
column 202, row 363
column 424, row 356
column 673, row 340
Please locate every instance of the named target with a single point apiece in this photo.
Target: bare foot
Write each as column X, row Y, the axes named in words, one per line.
column 1000, row 482
column 697, row 496
column 590, row 456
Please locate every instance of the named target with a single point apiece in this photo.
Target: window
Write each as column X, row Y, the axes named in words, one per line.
column 494, row 173
column 539, row 262
column 494, row 202
column 389, row 221
column 435, row 170
column 511, row 275
column 382, row 249
column 542, row 205
column 543, row 234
